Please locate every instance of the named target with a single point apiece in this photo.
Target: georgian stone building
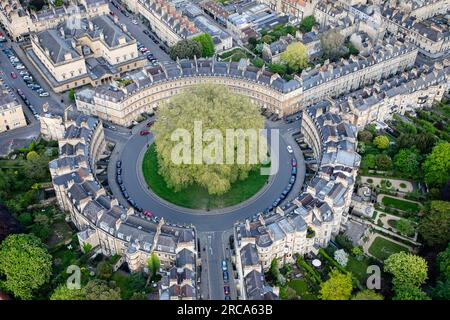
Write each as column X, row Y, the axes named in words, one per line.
column 108, row 226
column 152, row 86
column 315, row 216
column 19, row 23
column 95, row 52
column 11, row 113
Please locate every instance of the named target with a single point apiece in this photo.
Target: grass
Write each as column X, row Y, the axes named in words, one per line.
column 301, row 288
column 197, row 197
column 358, row 268
column 382, row 248
column 401, row 204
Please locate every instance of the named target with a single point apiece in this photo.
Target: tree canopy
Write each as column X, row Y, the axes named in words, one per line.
column 435, row 226
column 407, row 269
column 437, row 165
column 367, row 295
column 186, row 49
column 337, row 287
column 295, row 56
column 207, row 44
column 332, row 43
column 307, row 24
column 25, row 263
column 381, row 142
column 407, row 161
column 212, row 107
column 99, row 290
column 64, row 293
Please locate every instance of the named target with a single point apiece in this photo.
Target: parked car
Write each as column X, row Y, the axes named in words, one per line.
column 134, row 21
column 227, row 298
column 226, row 290
column 225, row 276
column 292, row 180
column 125, row 194
column 144, row 132
column 294, row 170
column 224, row 265
column 148, row 213
column 294, row 162
column 289, row 149
column 122, row 188
column 20, row 67
column 119, row 164
column 119, row 179
column 13, row 75
column 44, row 94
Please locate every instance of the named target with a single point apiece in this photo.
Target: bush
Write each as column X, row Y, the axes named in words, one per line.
column 306, row 268
column 344, row 242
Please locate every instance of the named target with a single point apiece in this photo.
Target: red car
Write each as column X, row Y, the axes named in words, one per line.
column 294, row 162
column 144, row 132
column 226, row 290
column 148, row 213
column 111, row 13
column 13, row 75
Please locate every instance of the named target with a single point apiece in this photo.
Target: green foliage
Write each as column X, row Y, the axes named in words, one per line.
column 442, row 290
column 153, row 264
column 437, row 165
column 281, row 69
column 104, row 270
column 307, row 24
column 358, row 252
column 207, row 44
column 405, row 227
column 72, row 95
column 365, row 136
column 216, row 109
column 32, row 155
column 306, row 268
column 295, row 56
column 64, row 293
column 186, row 49
column 333, row 47
column 267, row 39
column 383, row 161
column 338, row 287
column 407, row 161
column 344, row 242
column 407, row 270
column 409, row 292
column 333, row 262
column 258, row 62
column 99, row 290
column 443, row 262
column 381, row 142
column 367, row 295
column 435, row 226
column 25, row 264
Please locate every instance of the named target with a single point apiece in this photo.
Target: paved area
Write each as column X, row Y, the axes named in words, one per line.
column 396, row 183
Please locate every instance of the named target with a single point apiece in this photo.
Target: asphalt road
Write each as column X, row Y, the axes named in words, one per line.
column 131, row 157
column 137, row 32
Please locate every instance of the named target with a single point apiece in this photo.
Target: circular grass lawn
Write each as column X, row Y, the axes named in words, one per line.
column 197, row 197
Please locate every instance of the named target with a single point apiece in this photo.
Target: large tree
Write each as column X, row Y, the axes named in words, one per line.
column 332, row 43
column 295, row 56
column 64, row 293
column 381, row 142
column 153, row 264
column 435, row 226
column 409, row 292
column 383, row 161
column 337, row 287
column 437, row 165
column 205, row 107
column 407, row 269
column 186, row 49
column 207, row 44
column 407, row 161
column 367, row 295
column 307, row 24
column 443, row 261
column 25, row 263
column 99, row 290
column 404, row 227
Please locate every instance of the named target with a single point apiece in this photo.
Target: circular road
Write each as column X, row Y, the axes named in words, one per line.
column 215, row 220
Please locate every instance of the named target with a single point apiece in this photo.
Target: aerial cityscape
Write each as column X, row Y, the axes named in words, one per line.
column 225, row 150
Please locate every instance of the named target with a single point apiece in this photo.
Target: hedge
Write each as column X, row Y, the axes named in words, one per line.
column 306, row 267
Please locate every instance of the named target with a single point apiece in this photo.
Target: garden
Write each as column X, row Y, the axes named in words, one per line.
column 381, row 248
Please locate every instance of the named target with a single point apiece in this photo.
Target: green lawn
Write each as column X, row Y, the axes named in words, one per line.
column 358, row 268
column 382, row 248
column 301, row 289
column 401, row 204
column 196, row 197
